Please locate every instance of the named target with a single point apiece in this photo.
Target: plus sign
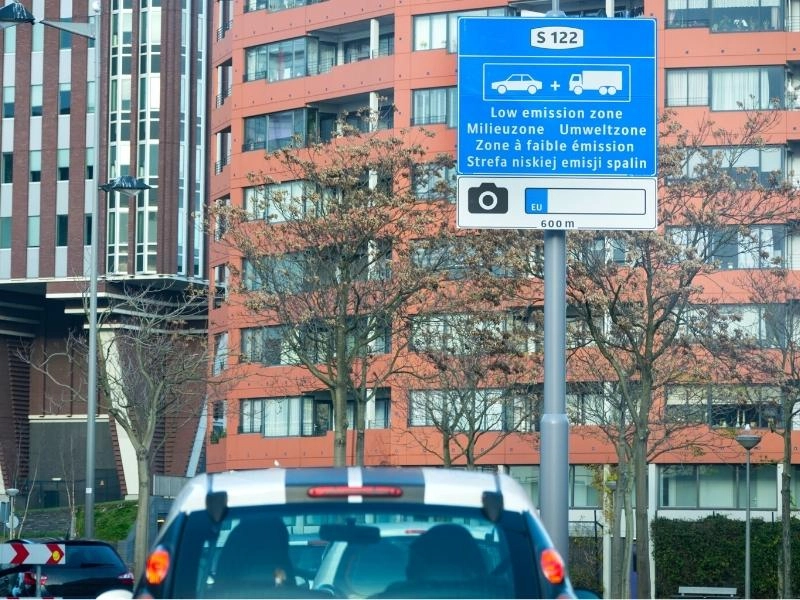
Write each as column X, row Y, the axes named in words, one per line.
column 555, row 85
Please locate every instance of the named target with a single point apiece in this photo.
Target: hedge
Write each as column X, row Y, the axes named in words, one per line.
column 710, row 552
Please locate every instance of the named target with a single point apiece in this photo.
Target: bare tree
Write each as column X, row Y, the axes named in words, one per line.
column 324, row 250
column 771, row 357
column 478, row 381
column 648, row 310
column 152, row 373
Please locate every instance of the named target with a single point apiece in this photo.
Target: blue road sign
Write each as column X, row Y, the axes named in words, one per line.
column 556, row 97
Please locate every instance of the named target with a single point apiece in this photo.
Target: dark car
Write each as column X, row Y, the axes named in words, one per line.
column 382, row 533
column 91, row 567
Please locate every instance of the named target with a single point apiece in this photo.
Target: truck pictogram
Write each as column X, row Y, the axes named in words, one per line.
column 604, row 82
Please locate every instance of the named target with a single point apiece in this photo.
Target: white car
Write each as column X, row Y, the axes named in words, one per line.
column 517, row 83
column 388, row 532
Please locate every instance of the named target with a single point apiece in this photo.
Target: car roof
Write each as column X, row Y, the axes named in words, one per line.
column 276, row 486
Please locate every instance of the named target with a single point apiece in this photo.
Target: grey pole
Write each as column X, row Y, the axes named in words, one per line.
column 91, row 392
column 554, row 450
column 747, row 532
column 554, row 433
column 748, row 441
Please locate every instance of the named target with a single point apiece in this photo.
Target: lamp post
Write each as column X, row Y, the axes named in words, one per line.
column 748, row 441
column 12, row 526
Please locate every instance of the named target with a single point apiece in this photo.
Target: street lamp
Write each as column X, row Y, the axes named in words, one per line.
column 14, row 14
column 12, row 526
column 748, row 441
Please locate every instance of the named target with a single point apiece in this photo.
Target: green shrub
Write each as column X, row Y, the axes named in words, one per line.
column 710, row 552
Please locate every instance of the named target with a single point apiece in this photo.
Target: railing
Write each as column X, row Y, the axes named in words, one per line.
column 221, row 164
column 224, row 29
column 224, row 96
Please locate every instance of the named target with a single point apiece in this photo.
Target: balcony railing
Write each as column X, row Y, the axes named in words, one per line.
column 224, row 29
column 221, row 164
column 224, row 96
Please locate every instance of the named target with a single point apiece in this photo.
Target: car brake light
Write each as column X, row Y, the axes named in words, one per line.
column 552, row 566
column 29, row 578
column 334, row 491
column 157, row 567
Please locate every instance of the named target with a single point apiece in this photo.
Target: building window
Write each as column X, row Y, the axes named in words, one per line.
column 306, row 415
column 461, row 334
column 62, row 223
column 5, row 233
column 220, row 353
column 433, row 182
column 435, row 105
column 89, row 163
column 276, row 5
column 274, row 131
column 441, row 30
column 473, row 410
column 726, row 15
column 265, row 345
column 586, row 404
column 218, row 420
column 65, row 37
column 279, row 202
column 279, row 345
column 376, row 411
column 90, row 97
column 740, row 164
column 320, row 268
column 729, row 88
column 33, row 231
column 63, row 164
column 279, row 61
column 8, row 102
column 35, row 166
column 64, row 98
column 36, row 100
column 272, row 417
column 87, row 229
column 7, row 167
column 726, row 406
column 583, row 491
column 717, row 486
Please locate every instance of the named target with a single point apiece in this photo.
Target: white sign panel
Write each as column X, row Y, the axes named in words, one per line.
column 556, row 202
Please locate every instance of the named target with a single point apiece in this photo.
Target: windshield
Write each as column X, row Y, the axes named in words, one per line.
column 355, row 551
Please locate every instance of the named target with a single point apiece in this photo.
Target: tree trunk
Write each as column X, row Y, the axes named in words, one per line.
column 342, row 383
column 627, row 554
column 786, row 513
column 358, row 439
column 340, row 425
column 142, row 538
column 642, row 515
column 617, row 570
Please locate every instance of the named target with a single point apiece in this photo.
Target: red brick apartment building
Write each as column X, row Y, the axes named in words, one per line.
column 290, row 61
column 287, row 61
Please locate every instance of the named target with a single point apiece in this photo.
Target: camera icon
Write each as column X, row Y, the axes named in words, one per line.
column 487, row 198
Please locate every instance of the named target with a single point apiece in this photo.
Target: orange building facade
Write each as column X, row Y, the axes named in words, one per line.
column 340, row 55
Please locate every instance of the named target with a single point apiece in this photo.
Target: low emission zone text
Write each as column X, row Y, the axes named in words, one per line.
column 559, row 97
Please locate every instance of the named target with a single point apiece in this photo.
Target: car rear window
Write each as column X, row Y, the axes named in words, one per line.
column 354, row 551
column 90, row 555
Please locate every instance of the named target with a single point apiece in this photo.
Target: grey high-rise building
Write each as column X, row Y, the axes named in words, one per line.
column 152, row 126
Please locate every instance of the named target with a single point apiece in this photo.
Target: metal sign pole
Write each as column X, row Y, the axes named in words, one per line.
column 554, row 438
